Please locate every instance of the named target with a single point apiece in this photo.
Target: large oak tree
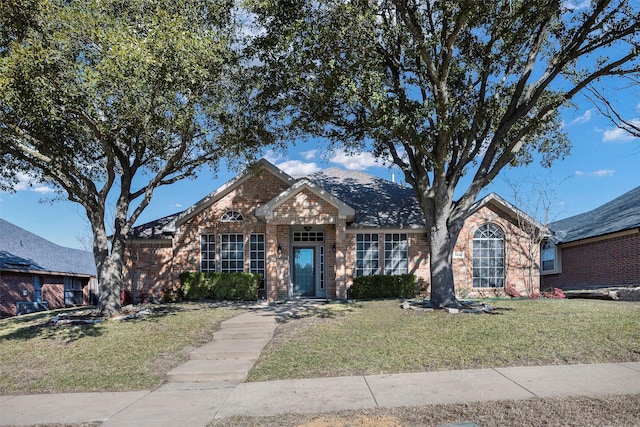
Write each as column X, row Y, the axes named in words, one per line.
column 445, row 89
column 110, row 99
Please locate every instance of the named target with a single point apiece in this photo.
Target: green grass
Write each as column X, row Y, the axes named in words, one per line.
column 36, row 356
column 379, row 337
column 336, row 339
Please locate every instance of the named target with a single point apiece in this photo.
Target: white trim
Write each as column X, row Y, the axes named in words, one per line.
column 225, row 189
column 266, row 211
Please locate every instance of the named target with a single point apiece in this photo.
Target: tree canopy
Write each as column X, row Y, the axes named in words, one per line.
column 108, row 100
column 443, row 89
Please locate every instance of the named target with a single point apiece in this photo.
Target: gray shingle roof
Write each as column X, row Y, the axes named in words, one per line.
column 22, row 250
column 156, row 229
column 620, row 214
column 378, row 202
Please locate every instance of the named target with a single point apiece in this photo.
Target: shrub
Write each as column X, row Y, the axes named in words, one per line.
column 511, row 291
column 383, row 286
column 222, row 286
column 556, row 293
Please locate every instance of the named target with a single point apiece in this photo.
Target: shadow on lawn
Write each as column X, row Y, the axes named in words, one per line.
column 76, row 324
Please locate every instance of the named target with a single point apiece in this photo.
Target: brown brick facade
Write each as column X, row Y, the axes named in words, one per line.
column 18, row 286
column 612, row 261
column 155, row 266
column 521, row 256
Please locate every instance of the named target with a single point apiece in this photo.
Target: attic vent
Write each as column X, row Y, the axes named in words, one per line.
column 232, row 216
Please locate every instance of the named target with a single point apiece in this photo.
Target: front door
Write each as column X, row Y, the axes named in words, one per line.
column 304, row 271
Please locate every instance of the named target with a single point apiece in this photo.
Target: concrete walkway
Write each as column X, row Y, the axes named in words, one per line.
column 211, row 385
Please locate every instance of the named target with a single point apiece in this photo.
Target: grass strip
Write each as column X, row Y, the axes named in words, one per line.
column 37, row 356
column 378, row 337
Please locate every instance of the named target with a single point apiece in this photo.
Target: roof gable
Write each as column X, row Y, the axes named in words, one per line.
column 267, row 211
column 167, row 225
column 494, row 200
column 377, row 202
column 25, row 251
column 620, row 214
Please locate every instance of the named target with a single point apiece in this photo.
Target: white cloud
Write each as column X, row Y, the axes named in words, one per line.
column 26, row 182
column 272, row 157
column 43, row 189
column 577, row 6
column 600, row 173
column 619, row 135
column 359, row 161
column 297, row 168
column 586, row 117
column 308, row 155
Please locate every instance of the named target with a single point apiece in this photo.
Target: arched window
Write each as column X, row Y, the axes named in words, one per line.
column 231, row 216
column 488, row 257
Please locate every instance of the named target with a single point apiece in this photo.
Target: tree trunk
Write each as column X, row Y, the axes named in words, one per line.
column 109, row 257
column 110, row 280
column 442, row 241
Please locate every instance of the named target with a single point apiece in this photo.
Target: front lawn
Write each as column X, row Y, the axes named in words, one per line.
column 379, row 337
column 36, row 356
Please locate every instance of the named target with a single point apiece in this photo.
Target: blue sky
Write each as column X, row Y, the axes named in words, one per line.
column 604, row 164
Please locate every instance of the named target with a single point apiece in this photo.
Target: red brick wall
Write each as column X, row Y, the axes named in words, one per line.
column 158, row 265
column 418, row 255
column 522, row 271
column 611, row 262
column 12, row 285
column 148, row 269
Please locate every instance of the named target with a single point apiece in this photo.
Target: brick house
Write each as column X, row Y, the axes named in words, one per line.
column 37, row 274
column 309, row 237
column 599, row 248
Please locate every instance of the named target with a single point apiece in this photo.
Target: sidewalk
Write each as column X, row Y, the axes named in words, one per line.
column 196, row 400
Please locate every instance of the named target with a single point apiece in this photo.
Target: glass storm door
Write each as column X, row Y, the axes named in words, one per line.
column 304, row 271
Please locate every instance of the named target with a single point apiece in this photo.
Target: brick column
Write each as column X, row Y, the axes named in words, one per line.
column 341, row 259
column 272, row 262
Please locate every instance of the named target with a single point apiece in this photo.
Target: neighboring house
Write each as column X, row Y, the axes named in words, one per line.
column 599, row 248
column 310, row 236
column 38, row 274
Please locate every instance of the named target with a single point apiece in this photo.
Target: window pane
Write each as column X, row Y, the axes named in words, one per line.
column 232, row 252
column 488, row 257
column 257, row 257
column 367, row 254
column 396, row 254
column 208, row 252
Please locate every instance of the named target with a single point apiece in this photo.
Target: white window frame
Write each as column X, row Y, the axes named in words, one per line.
column 207, row 252
column 232, row 252
column 396, row 254
column 490, row 234
column 258, row 258
column 367, row 254
column 549, row 251
column 231, row 216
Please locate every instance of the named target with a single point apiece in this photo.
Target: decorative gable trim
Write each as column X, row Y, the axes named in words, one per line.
column 344, row 211
column 507, row 207
column 211, row 198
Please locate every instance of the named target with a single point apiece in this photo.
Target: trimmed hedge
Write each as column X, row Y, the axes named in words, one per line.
column 383, row 286
column 220, row 286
